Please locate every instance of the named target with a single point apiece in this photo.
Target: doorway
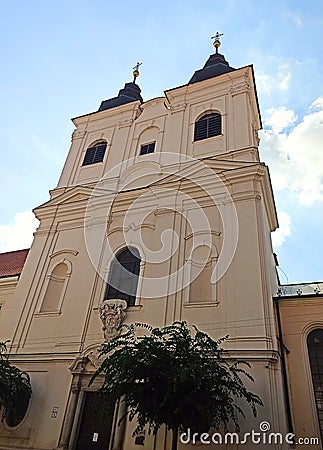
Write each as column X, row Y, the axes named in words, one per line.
column 96, row 423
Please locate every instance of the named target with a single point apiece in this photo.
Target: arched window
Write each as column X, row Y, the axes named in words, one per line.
column 207, row 126
column 54, row 291
column 315, row 351
column 123, row 276
column 95, row 154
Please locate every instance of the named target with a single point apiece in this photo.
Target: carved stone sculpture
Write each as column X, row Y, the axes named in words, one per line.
column 112, row 314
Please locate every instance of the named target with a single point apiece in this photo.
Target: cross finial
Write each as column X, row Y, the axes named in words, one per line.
column 217, row 42
column 136, row 71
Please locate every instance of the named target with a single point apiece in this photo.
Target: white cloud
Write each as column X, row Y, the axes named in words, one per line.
column 284, row 230
column 295, row 157
column 280, row 118
column 317, row 104
column 298, row 20
column 19, row 234
column 268, row 83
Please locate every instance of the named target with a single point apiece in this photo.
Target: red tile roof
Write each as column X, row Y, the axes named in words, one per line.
column 11, row 263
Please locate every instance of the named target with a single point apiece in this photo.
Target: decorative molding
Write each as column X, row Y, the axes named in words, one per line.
column 164, row 211
column 8, row 283
column 44, row 232
column 202, row 233
column 132, row 226
column 256, row 136
column 201, row 304
column 137, row 112
column 78, row 134
column 70, row 225
column 153, row 102
column 47, row 313
column 63, row 252
column 125, row 123
column 67, row 344
column 78, row 364
column 177, row 107
column 296, row 301
column 240, row 88
column 96, row 358
column 269, row 356
column 247, row 195
column 134, row 308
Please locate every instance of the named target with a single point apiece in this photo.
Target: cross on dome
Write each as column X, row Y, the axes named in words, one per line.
column 216, row 42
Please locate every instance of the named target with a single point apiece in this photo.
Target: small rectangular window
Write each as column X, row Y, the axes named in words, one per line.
column 147, row 148
column 94, row 154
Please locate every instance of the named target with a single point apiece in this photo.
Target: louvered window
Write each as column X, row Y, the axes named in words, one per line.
column 207, row 126
column 147, row 148
column 123, row 277
column 95, row 154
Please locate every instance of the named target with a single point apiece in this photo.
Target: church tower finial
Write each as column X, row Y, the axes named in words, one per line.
column 217, row 42
column 136, row 71
column 215, row 65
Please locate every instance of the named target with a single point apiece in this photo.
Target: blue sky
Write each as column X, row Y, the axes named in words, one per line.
column 61, row 58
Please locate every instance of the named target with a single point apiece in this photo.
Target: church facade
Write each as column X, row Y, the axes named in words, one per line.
column 171, row 191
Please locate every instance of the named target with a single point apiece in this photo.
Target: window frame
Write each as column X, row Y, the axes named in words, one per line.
column 148, row 144
column 95, row 154
column 111, row 292
column 207, row 126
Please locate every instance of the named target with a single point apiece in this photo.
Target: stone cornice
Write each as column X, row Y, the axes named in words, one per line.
column 8, row 282
column 42, row 357
column 301, row 301
column 270, row 356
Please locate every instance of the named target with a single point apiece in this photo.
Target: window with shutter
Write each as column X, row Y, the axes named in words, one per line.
column 147, row 148
column 94, row 154
column 207, row 126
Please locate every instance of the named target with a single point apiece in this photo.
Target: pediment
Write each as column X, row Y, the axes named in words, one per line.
column 72, row 195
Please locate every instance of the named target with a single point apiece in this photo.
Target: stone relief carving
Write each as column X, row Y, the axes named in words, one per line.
column 112, row 314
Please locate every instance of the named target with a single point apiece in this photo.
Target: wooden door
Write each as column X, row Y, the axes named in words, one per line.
column 96, row 423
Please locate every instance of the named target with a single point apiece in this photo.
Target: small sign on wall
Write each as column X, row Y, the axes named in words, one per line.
column 54, row 412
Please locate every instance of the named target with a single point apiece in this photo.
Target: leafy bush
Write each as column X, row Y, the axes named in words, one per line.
column 15, row 389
